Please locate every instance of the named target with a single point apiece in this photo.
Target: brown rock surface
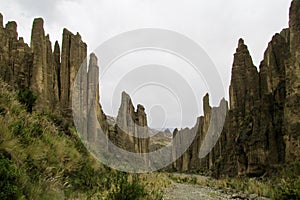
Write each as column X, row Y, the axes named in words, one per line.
column 292, row 103
column 132, row 126
column 263, row 124
column 15, row 57
column 74, row 53
column 261, row 129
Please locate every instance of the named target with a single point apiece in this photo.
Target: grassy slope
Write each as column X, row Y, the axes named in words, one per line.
column 42, row 158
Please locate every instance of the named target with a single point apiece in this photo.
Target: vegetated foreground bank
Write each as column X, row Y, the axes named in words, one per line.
column 41, row 157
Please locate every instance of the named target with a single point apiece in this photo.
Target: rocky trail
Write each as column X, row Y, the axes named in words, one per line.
column 191, row 191
column 180, row 191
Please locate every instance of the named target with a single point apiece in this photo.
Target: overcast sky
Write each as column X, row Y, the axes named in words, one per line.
column 216, row 25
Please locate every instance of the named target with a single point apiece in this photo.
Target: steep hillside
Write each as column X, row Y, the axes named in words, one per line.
column 42, row 158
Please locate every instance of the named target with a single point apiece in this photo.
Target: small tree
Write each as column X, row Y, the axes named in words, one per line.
column 27, row 98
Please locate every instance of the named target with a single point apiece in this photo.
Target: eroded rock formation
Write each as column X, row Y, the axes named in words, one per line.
column 15, row 56
column 262, row 127
column 49, row 74
column 131, row 127
column 292, row 103
column 262, row 124
column 73, row 55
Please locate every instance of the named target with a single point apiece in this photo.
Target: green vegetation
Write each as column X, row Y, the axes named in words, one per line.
column 27, row 98
column 41, row 157
column 285, row 184
column 9, row 175
column 126, row 189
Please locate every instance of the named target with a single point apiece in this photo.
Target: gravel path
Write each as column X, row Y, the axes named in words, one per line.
column 188, row 191
column 180, row 191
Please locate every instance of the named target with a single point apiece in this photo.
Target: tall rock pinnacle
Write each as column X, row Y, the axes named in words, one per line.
column 56, row 55
column 73, row 55
column 292, row 103
column 11, row 28
column 244, row 81
column 1, row 20
column 44, row 74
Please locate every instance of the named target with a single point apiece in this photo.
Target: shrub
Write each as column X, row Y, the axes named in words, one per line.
column 9, row 176
column 289, row 190
column 126, row 189
column 27, row 98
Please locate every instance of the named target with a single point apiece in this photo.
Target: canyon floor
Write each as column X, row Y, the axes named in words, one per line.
column 195, row 187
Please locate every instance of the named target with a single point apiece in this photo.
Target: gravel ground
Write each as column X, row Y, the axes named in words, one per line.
column 187, row 191
column 180, row 191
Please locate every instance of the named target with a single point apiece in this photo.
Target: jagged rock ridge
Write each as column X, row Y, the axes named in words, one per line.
column 262, row 127
column 51, row 74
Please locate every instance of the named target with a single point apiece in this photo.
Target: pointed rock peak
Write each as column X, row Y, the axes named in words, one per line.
column 21, row 39
column 11, row 27
column 126, row 109
column 241, row 46
column 295, row 26
column 206, row 100
column 175, row 131
column 1, row 20
column 37, row 33
column 93, row 59
column 242, row 57
column 78, row 36
column 223, row 101
column 140, row 108
column 38, row 23
column 206, row 106
column 56, row 53
column 241, row 42
column 56, row 47
column 56, row 43
column 125, row 96
column 67, row 32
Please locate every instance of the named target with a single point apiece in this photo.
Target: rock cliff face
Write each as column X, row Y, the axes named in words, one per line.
column 73, row 54
column 131, row 127
column 262, row 126
column 15, row 56
column 292, row 103
column 49, row 74
column 43, row 74
column 202, row 138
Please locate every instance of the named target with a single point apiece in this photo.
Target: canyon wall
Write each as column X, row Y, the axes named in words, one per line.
column 262, row 127
column 262, row 123
column 51, row 75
